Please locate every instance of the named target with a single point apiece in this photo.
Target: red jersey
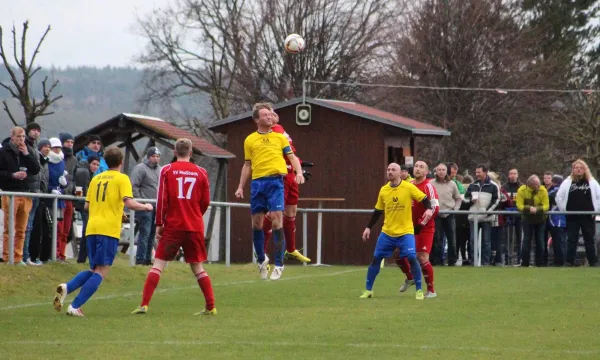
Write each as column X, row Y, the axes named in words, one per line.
column 183, row 197
column 279, row 129
column 418, row 210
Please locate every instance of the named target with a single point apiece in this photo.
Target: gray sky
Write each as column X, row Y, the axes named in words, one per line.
column 84, row 32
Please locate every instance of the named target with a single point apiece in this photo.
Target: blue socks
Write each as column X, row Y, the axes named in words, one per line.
column 258, row 237
column 373, row 271
column 88, row 289
column 279, row 242
column 415, row 270
column 78, row 280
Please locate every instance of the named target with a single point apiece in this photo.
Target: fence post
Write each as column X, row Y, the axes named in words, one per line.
column 319, row 233
column 228, row 237
column 476, row 241
column 11, row 230
column 132, row 238
column 304, row 235
column 54, row 227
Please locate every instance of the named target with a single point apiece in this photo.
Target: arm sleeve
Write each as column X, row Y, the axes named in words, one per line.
column 520, row 199
column 247, row 150
column 416, row 194
column 374, row 217
column 125, row 187
column 461, row 188
column 545, row 202
column 431, row 195
column 90, row 191
column 495, row 199
column 4, row 174
column 162, row 201
column 467, row 198
column 205, row 199
column 33, row 163
column 380, row 205
column 285, row 146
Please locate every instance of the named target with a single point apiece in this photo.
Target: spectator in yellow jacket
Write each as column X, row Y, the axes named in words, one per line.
column 533, row 203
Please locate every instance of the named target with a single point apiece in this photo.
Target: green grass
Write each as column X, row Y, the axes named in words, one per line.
column 486, row 313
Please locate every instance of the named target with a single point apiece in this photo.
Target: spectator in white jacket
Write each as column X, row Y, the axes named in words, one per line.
column 580, row 192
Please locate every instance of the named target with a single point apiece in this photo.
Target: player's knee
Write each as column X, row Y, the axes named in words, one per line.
column 376, row 261
column 423, row 257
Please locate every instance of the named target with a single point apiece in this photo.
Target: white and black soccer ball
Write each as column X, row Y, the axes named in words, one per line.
column 294, row 43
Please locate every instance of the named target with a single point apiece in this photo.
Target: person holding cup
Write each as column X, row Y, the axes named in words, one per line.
column 14, row 155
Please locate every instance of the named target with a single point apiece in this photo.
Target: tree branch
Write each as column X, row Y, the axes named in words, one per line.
column 9, row 113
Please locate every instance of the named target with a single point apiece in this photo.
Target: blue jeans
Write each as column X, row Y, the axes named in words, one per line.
column 486, row 241
column 445, row 230
column 147, row 232
column 34, row 204
column 533, row 232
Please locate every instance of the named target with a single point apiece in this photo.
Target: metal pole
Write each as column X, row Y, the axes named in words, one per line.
column 304, row 235
column 54, row 227
column 304, row 91
column 132, row 238
column 319, row 233
column 228, row 236
column 11, row 230
column 476, row 241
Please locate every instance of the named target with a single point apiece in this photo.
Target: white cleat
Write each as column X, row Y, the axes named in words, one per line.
column 406, row 285
column 276, row 274
column 60, row 296
column 71, row 311
column 264, row 269
column 430, row 295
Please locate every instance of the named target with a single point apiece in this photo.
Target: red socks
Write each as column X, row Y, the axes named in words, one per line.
column 289, row 231
column 404, row 265
column 267, row 230
column 150, row 285
column 428, row 275
column 207, row 290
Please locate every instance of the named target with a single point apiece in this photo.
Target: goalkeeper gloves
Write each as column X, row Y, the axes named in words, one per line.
column 417, row 229
column 306, row 164
column 306, row 175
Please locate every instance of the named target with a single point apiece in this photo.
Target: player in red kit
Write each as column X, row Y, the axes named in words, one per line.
column 183, row 197
column 291, row 196
column 424, row 230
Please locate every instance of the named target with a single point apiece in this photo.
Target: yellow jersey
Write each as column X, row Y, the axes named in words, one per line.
column 264, row 153
column 105, row 196
column 396, row 203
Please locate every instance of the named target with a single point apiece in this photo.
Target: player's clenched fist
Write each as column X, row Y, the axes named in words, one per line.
column 239, row 193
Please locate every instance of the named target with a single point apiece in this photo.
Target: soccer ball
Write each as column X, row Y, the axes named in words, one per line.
column 294, row 43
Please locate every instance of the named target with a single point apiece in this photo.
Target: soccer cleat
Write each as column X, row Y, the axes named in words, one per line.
column 264, row 269
column 420, row 295
column 207, row 312
column 298, row 256
column 406, row 285
column 141, row 310
column 71, row 311
column 277, row 271
column 366, row 295
column 430, row 294
column 60, row 296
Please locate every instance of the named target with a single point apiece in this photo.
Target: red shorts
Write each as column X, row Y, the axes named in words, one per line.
column 291, row 192
column 424, row 241
column 194, row 250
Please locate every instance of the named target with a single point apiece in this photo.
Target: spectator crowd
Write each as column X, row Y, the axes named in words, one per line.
column 32, row 164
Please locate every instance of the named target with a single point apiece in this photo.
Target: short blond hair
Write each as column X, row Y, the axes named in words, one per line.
column 258, row 107
column 183, row 147
column 16, row 131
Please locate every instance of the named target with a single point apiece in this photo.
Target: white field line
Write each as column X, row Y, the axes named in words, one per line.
column 308, row 344
column 233, row 283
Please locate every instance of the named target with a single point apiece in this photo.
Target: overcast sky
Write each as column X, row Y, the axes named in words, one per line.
column 84, row 32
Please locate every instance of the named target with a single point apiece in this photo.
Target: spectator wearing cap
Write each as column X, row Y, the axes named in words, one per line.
column 85, row 172
column 33, row 132
column 144, row 181
column 93, row 147
column 557, row 224
column 57, row 182
column 40, row 245
column 17, row 162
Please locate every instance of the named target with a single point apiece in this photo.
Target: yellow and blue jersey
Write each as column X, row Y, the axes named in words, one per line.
column 396, row 203
column 105, row 197
column 264, row 151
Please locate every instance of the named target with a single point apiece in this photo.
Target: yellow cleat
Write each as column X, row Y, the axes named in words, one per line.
column 207, row 312
column 141, row 310
column 296, row 254
column 420, row 295
column 366, row 295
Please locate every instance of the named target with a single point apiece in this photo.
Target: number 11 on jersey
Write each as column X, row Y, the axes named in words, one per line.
column 182, row 181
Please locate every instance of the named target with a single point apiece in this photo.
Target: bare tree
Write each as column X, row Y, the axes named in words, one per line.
column 233, row 49
column 472, row 44
column 20, row 78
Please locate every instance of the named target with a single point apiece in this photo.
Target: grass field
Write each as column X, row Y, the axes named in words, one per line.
column 486, row 313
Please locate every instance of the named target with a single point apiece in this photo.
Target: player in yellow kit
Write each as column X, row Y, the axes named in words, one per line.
column 109, row 192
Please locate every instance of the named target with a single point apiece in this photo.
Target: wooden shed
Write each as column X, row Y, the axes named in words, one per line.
column 351, row 145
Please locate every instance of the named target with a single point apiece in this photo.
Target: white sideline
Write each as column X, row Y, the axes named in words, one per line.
column 307, row 344
column 106, row 297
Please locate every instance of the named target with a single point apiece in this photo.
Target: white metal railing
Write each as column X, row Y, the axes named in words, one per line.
column 228, row 205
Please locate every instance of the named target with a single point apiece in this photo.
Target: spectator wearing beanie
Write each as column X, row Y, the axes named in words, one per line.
column 93, row 147
column 557, row 224
column 57, row 182
column 85, row 172
column 144, row 182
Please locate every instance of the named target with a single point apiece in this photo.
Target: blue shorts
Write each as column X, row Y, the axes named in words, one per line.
column 387, row 244
column 101, row 249
column 266, row 194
